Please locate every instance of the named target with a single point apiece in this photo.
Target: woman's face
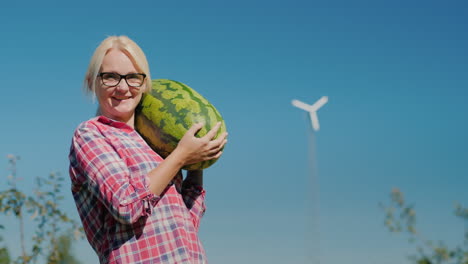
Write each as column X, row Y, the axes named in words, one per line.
column 118, row 102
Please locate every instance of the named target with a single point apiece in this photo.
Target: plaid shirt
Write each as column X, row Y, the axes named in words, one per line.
column 123, row 221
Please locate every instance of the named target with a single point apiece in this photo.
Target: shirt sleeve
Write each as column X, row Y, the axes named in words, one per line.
column 107, row 177
column 194, row 199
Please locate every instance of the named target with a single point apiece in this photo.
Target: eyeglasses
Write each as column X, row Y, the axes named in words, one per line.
column 112, row 79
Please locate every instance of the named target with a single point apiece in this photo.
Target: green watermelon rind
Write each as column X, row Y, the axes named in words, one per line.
column 160, row 131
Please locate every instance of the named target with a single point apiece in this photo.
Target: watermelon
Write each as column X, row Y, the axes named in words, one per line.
column 166, row 112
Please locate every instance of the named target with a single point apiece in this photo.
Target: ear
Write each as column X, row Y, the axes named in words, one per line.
column 91, row 82
column 148, row 86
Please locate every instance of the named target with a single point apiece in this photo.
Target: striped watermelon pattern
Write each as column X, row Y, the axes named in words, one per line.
column 168, row 111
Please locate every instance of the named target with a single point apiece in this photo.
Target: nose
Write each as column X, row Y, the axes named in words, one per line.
column 122, row 87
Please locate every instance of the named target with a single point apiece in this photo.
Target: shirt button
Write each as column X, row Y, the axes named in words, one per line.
column 124, row 201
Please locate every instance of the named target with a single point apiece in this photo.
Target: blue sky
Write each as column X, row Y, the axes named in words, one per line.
column 395, row 73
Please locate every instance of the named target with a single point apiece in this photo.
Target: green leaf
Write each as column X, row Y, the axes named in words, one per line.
column 424, row 260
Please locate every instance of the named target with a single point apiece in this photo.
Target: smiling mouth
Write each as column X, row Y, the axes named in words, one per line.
column 120, row 98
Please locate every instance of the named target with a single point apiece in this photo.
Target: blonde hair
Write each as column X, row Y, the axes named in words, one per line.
column 127, row 46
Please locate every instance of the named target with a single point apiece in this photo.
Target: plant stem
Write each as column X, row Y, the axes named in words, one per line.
column 13, row 160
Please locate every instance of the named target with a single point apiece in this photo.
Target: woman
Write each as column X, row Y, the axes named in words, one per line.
column 135, row 207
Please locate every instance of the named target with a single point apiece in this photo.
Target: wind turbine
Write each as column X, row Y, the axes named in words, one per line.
column 312, row 109
column 314, row 253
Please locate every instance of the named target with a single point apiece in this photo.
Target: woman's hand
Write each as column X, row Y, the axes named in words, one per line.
column 192, row 149
column 189, row 150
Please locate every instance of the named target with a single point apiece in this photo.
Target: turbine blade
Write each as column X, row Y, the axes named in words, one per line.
column 301, row 105
column 314, row 120
column 320, row 102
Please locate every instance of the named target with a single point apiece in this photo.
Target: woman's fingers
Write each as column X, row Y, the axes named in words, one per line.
column 218, row 155
column 219, row 141
column 195, row 128
column 216, row 149
column 212, row 133
column 204, row 148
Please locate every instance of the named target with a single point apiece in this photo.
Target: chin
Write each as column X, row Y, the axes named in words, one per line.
column 124, row 107
column 124, row 112
column 119, row 113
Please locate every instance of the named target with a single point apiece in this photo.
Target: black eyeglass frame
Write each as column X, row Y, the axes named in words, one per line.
column 122, row 77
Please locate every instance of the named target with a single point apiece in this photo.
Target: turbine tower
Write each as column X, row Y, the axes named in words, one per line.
column 313, row 218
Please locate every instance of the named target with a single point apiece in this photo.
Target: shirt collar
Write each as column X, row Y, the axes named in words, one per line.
column 114, row 123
